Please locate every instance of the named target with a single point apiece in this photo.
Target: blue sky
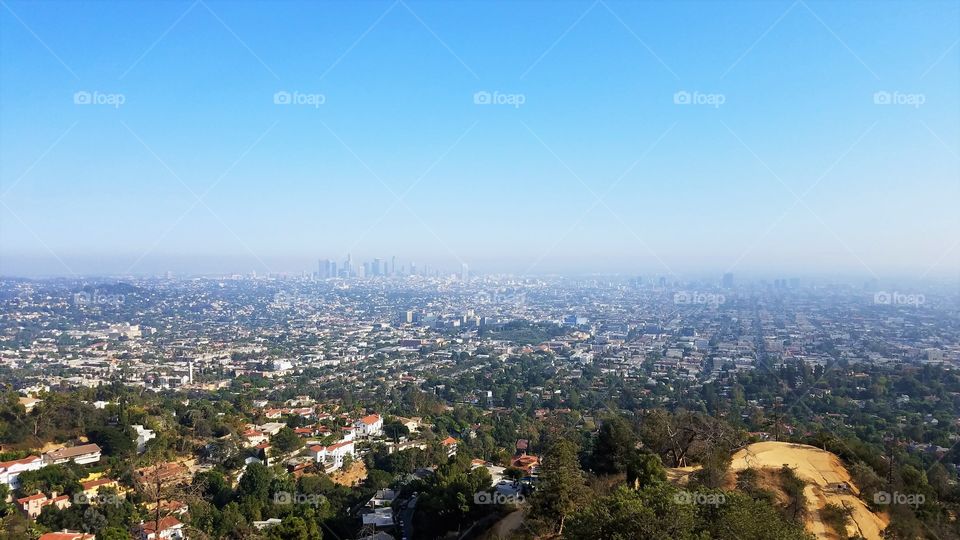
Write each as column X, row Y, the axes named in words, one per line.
column 798, row 169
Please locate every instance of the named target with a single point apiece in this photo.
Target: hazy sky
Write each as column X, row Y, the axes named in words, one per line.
column 607, row 136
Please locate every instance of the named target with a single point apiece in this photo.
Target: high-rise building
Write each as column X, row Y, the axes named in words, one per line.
column 464, row 272
column 728, row 280
column 377, row 267
column 326, row 268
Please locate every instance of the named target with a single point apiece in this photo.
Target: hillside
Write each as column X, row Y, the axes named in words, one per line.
column 819, row 469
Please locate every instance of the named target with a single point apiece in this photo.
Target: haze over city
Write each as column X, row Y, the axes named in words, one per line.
column 500, row 270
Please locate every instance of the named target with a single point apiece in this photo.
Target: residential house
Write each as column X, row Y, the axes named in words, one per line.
column 32, row 505
column 81, row 455
column 369, row 426
column 527, row 463
column 143, row 435
column 381, row 498
column 67, row 535
column 92, row 487
column 170, row 528
column 9, row 470
column 164, row 473
column 254, row 437
column 450, row 444
column 332, row 455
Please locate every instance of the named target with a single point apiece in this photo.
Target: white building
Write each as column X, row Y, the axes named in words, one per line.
column 332, row 455
column 143, row 435
column 369, row 426
column 81, row 455
column 9, row 470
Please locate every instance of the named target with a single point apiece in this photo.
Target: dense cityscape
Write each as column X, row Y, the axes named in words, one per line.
column 479, row 270
column 419, row 406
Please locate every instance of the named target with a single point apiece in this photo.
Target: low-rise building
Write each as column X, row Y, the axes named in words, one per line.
column 10, row 470
column 81, row 455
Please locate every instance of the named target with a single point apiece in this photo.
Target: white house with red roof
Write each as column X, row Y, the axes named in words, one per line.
column 450, row 444
column 253, row 437
column 67, row 535
column 332, row 456
column 9, row 470
column 369, row 426
column 170, row 529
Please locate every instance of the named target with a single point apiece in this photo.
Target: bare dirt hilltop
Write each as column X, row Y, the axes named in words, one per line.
column 828, row 482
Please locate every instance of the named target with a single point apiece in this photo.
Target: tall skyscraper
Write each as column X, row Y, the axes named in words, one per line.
column 728, row 280
column 326, row 268
column 464, row 272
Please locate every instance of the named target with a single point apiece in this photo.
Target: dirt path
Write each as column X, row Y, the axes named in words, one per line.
column 819, row 468
column 504, row 527
column 353, row 476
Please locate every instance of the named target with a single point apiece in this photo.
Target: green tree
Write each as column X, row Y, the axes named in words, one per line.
column 255, row 482
column 628, row 515
column 395, row 429
column 377, row 479
column 614, row 447
column 286, row 440
column 561, row 486
column 645, row 469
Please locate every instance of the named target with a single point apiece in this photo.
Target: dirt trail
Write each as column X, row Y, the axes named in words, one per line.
column 819, row 468
column 505, row 527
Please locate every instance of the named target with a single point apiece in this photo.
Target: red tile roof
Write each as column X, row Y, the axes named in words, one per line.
column 168, row 522
column 23, row 461
column 370, row 419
